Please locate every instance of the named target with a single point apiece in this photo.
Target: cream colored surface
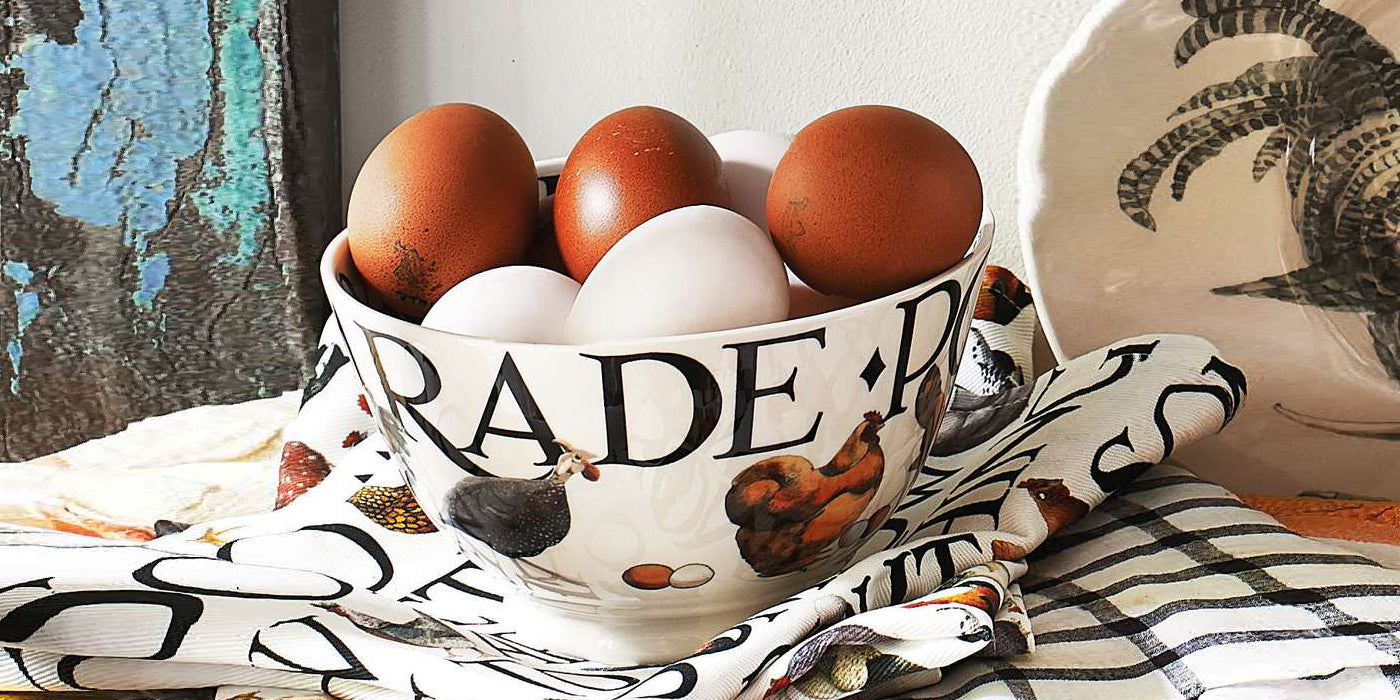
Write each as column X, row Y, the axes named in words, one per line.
column 1387, row 555
column 553, row 68
column 1098, row 276
column 188, row 466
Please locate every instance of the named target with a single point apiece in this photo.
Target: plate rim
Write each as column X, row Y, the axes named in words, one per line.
column 1030, row 184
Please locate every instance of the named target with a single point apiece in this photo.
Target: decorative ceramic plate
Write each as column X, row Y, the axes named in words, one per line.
column 1231, row 168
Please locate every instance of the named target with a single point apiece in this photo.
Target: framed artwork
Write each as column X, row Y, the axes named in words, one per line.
column 169, row 174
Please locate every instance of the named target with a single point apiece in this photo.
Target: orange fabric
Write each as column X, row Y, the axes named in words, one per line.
column 1358, row 521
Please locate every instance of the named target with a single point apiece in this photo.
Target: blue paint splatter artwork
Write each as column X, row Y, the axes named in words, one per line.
column 148, row 147
column 26, row 310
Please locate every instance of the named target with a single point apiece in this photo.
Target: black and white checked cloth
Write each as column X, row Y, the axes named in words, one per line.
column 1172, row 588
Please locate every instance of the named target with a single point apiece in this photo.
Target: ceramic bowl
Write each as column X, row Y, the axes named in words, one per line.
column 644, row 495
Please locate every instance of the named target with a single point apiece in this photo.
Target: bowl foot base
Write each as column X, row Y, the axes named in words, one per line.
column 617, row 639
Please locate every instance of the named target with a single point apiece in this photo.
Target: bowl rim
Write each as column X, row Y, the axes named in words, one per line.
column 336, row 295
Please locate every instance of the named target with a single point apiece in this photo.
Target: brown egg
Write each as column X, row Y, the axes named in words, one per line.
column 631, row 166
column 871, row 200
column 544, row 247
column 448, row 193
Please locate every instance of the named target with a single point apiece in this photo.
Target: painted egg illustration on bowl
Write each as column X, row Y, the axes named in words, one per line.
column 654, row 577
column 691, row 576
column 648, row 577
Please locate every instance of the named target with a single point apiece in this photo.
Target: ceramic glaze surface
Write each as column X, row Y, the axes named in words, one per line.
column 657, row 491
column 1232, row 170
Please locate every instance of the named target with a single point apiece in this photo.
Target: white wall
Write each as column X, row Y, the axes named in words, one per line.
column 553, row 68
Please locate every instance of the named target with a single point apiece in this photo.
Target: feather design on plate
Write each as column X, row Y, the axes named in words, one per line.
column 1333, row 123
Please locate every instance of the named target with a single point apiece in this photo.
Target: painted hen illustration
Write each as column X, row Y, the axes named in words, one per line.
column 789, row 511
column 518, row 517
column 1334, row 117
column 1057, row 506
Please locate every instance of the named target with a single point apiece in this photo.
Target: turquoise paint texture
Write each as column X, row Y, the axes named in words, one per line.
column 154, row 270
column 107, row 122
column 27, row 309
column 170, row 242
column 17, row 271
column 108, row 119
column 236, row 198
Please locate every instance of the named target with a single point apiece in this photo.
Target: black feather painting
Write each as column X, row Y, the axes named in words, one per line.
column 1332, row 121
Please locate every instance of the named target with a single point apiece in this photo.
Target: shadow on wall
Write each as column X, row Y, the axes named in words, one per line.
column 380, row 71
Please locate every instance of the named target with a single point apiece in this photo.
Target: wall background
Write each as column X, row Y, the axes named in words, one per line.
column 553, row 68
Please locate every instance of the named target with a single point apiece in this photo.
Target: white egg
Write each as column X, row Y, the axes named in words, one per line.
column 689, row 270
column 518, row 303
column 805, row 301
column 750, row 157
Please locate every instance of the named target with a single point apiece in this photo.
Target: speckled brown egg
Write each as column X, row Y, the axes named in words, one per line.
column 871, row 200
column 631, row 166
column 448, row 193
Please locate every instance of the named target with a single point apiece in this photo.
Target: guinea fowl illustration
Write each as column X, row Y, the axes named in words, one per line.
column 998, row 369
column 392, row 508
column 999, row 301
column 1334, row 116
column 1058, row 507
column 518, row 517
column 422, row 631
column 789, row 511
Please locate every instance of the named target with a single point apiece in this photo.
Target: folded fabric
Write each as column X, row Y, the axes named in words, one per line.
column 1173, row 588
column 193, row 465
column 349, row 590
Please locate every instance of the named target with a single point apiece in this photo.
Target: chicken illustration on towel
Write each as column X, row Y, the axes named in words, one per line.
column 518, row 517
column 789, row 511
column 422, row 631
column 302, row 467
column 1058, row 508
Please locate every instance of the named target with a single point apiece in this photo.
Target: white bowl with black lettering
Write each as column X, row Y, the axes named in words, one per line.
column 731, row 469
